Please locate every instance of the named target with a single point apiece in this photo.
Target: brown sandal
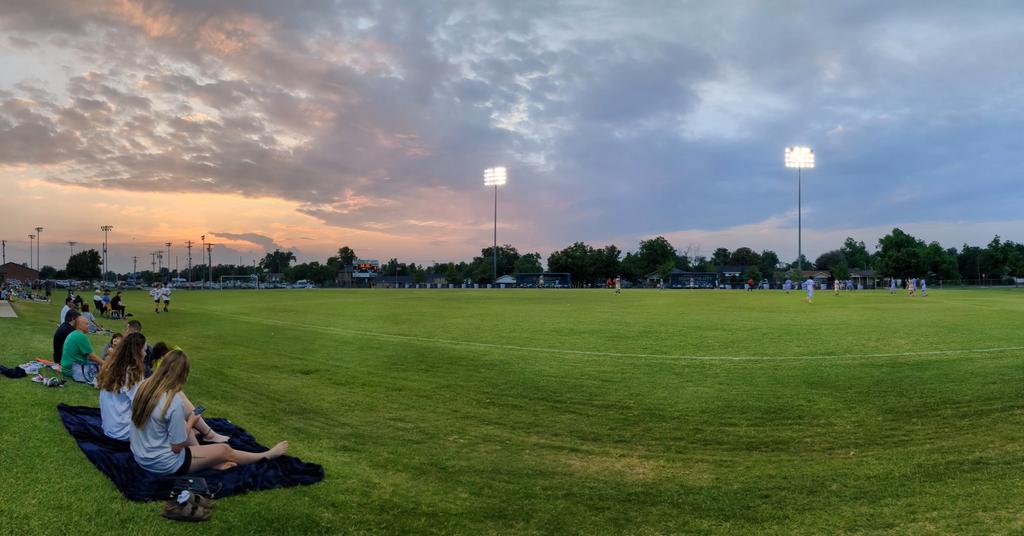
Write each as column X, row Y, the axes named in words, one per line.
column 191, row 511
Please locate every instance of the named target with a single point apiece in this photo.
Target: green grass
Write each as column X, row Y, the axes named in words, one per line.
column 468, row 412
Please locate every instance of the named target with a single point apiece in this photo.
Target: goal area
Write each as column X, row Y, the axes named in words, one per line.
column 544, row 280
column 694, row 280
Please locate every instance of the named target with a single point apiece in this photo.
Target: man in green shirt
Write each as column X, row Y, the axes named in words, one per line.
column 79, row 361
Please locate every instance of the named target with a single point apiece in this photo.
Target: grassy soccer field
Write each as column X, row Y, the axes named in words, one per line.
column 561, row 412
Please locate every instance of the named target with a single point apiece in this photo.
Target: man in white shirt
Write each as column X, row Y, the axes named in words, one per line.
column 156, row 293
column 165, row 293
column 67, row 307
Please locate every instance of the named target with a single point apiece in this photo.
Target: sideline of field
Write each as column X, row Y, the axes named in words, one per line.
column 533, row 349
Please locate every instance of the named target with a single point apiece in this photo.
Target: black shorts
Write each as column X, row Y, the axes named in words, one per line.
column 183, row 470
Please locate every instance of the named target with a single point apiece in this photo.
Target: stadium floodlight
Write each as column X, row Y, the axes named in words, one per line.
column 106, row 268
column 39, row 240
column 800, row 158
column 495, row 176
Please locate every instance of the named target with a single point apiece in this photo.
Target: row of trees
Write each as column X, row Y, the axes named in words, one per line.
column 897, row 254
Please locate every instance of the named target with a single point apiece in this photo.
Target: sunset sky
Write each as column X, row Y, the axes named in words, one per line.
column 311, row 124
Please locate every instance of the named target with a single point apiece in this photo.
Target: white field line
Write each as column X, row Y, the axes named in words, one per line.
column 492, row 346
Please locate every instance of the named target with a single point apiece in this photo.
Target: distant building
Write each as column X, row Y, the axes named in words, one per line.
column 506, row 280
column 12, row 271
column 864, row 278
column 820, row 277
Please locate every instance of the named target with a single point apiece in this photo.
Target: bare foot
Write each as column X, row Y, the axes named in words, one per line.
column 278, row 450
column 214, row 437
column 225, row 466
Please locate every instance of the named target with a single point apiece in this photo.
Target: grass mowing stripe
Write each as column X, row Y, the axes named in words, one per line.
column 453, row 342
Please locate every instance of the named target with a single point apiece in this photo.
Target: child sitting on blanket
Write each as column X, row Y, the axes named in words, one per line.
column 163, row 427
column 119, row 380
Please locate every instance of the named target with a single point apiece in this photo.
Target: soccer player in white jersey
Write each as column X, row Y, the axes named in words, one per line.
column 924, row 287
column 156, row 293
column 165, row 294
column 892, row 285
column 809, row 285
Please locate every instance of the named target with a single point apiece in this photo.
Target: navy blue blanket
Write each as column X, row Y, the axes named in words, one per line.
column 114, row 459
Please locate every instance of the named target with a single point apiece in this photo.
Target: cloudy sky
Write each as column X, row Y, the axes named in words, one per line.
column 309, row 124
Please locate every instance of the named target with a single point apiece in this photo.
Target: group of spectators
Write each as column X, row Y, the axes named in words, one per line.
column 141, row 399
column 13, row 292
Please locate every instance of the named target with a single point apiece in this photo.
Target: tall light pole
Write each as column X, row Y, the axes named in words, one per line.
column 39, row 240
column 189, row 246
column 495, row 176
column 31, row 249
column 203, row 238
column 800, row 158
column 209, row 255
column 106, row 268
column 3, row 251
column 71, row 244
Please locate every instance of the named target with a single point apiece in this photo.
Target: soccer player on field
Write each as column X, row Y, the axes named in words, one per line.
column 892, row 285
column 924, row 287
column 165, row 293
column 618, row 284
column 835, row 287
column 155, row 293
column 809, row 285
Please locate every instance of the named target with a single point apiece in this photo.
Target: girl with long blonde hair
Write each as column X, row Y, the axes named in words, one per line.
column 163, row 429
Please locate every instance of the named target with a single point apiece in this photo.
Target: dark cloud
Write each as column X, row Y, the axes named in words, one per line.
column 265, row 242
column 615, row 119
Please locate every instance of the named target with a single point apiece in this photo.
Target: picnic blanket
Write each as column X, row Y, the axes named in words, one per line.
column 114, row 459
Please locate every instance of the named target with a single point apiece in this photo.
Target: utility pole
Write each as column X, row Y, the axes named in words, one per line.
column 168, row 244
column 39, row 240
column 106, row 268
column 31, row 250
column 153, row 261
column 3, row 248
column 71, row 244
column 209, row 255
column 189, row 244
column 135, row 266
column 203, row 238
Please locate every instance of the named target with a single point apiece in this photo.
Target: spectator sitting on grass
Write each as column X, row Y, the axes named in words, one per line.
column 97, row 302
column 134, row 326
column 61, row 335
column 163, row 437
column 108, row 350
column 119, row 380
column 69, row 304
column 117, row 304
column 106, row 301
column 93, row 326
column 78, row 360
column 160, row 349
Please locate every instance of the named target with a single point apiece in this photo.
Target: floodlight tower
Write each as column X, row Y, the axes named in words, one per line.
column 39, row 240
column 106, row 268
column 495, row 176
column 71, row 244
column 800, row 158
column 31, row 249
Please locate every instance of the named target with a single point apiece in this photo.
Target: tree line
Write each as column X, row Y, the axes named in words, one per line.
column 897, row 254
